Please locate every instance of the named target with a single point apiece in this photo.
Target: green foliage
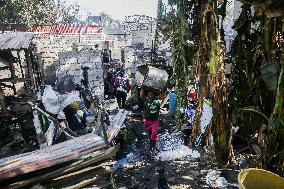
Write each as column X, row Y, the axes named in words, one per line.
column 34, row 12
column 174, row 26
column 274, row 156
column 242, row 23
column 160, row 12
column 214, row 58
column 257, row 78
column 109, row 22
column 196, row 21
column 112, row 183
column 278, row 108
column 208, row 102
column 269, row 74
column 253, row 110
column 222, row 139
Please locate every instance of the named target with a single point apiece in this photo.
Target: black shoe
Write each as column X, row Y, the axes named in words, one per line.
column 153, row 149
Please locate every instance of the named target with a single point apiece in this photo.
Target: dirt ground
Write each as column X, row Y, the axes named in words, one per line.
column 167, row 170
column 174, row 166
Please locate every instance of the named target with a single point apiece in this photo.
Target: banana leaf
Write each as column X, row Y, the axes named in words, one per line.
column 240, row 21
column 269, row 74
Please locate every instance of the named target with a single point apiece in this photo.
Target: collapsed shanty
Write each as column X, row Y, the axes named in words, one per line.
column 48, row 73
column 190, row 99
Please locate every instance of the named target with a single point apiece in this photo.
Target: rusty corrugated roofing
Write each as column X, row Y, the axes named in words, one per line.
column 17, row 40
column 67, row 28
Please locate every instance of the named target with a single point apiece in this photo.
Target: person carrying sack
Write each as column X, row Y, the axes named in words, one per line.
column 151, row 119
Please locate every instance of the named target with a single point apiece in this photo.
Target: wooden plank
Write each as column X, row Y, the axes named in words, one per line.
column 38, row 129
column 51, row 149
column 15, row 80
column 13, row 77
column 2, row 100
column 87, row 177
column 164, row 101
column 20, row 62
column 4, row 68
column 37, row 165
column 66, row 151
column 69, row 169
column 116, row 124
column 52, row 157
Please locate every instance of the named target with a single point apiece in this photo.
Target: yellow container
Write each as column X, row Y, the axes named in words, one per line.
column 259, row 179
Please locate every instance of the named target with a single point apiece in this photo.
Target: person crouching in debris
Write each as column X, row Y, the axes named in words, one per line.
column 122, row 87
column 151, row 119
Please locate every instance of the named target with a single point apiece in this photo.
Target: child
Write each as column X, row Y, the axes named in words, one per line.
column 151, row 118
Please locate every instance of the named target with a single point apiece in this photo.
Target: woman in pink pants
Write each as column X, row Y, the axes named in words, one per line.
column 151, row 119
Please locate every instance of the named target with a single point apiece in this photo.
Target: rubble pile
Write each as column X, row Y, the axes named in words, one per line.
column 60, row 128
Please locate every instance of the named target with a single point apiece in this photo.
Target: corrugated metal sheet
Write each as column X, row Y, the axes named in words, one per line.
column 67, row 28
column 18, row 40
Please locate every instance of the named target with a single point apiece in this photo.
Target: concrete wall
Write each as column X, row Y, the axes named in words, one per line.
column 143, row 36
column 71, row 62
column 50, row 45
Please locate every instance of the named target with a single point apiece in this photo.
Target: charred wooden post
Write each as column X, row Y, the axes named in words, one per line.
column 13, row 77
column 19, row 60
column 103, row 125
column 17, row 42
column 2, row 100
column 37, row 125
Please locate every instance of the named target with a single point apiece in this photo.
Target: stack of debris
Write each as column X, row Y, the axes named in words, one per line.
column 52, row 161
column 56, row 131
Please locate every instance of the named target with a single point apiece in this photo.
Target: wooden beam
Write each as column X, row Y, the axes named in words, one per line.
column 4, row 68
column 19, row 59
column 2, row 100
column 15, row 80
column 116, row 124
column 39, row 132
column 29, row 62
column 12, row 70
column 164, row 102
column 85, row 161
column 53, row 155
column 6, row 85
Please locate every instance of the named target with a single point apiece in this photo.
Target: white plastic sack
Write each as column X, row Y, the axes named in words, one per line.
column 156, row 78
column 50, row 100
column 55, row 103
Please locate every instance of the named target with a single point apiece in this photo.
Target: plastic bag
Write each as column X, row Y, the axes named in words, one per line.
column 50, row 100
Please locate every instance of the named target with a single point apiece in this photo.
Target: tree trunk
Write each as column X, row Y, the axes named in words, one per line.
column 274, row 149
column 221, row 122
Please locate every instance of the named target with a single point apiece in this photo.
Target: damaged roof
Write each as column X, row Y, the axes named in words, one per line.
column 18, row 40
column 113, row 31
column 68, row 28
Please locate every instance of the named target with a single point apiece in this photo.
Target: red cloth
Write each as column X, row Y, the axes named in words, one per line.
column 152, row 126
column 118, row 80
column 191, row 94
